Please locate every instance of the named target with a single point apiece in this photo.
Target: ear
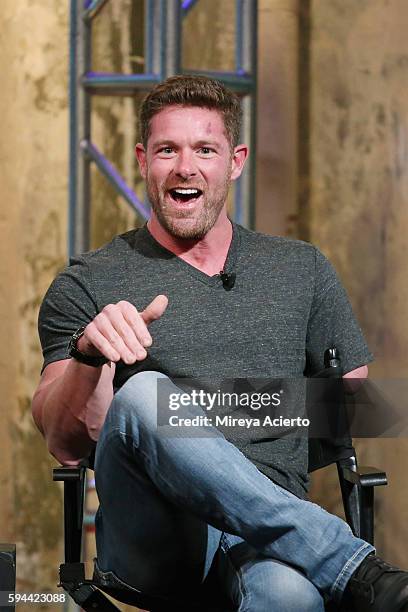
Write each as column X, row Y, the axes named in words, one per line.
column 239, row 157
column 141, row 158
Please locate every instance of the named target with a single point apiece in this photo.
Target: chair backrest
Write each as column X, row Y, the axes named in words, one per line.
column 324, row 452
column 326, row 403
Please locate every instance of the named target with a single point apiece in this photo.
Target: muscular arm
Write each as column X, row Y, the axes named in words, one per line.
column 70, row 405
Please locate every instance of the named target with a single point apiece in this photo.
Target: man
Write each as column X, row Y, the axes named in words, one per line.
column 193, row 295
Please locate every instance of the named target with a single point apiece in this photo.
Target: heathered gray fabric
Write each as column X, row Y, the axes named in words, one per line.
column 286, row 308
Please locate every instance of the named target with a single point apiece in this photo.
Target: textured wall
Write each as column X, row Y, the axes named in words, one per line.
column 357, row 208
column 33, row 229
column 276, row 180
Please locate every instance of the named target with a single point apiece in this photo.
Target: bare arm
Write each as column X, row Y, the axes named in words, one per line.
column 70, row 404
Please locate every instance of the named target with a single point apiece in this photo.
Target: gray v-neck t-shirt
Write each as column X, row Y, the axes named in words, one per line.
column 286, row 308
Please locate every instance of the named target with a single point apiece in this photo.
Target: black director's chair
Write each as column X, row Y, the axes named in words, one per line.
column 357, row 490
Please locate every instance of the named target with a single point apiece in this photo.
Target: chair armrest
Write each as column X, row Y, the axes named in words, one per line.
column 74, row 484
column 358, row 484
column 65, row 473
column 365, row 476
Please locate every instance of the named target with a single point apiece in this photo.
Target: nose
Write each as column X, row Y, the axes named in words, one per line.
column 185, row 166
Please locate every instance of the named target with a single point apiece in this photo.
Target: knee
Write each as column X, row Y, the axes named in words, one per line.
column 141, row 384
column 139, row 390
column 294, row 595
column 284, row 589
column 298, row 596
column 135, row 402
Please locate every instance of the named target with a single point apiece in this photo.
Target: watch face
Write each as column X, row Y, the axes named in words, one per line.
column 76, row 336
column 72, row 346
column 79, row 332
column 73, row 351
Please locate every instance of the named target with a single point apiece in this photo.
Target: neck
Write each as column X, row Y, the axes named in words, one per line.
column 208, row 254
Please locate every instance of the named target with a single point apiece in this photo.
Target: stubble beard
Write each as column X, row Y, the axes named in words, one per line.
column 208, row 214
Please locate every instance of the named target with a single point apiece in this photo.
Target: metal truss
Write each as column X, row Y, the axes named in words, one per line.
column 163, row 26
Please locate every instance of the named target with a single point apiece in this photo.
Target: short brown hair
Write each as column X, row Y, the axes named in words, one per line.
column 194, row 90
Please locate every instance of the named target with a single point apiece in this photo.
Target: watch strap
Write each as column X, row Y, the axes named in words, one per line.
column 90, row 360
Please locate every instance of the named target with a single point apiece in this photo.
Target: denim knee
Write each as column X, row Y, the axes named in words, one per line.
column 137, row 398
column 139, row 385
column 271, row 585
column 133, row 407
column 302, row 597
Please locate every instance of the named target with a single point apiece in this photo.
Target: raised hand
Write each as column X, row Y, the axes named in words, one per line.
column 120, row 331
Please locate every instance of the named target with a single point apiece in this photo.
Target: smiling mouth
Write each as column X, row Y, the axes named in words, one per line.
column 185, row 195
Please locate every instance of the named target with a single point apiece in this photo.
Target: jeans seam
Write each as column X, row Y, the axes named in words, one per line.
column 146, row 458
column 148, row 461
column 245, row 596
column 106, row 575
column 102, row 440
column 333, row 590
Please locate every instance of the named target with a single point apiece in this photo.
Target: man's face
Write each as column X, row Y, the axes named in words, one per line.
column 188, row 166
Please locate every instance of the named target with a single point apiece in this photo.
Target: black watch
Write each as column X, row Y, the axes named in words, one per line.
column 91, row 360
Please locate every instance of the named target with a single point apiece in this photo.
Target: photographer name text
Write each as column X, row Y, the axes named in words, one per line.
column 229, row 421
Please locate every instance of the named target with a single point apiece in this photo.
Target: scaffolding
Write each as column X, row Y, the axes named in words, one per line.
column 163, row 32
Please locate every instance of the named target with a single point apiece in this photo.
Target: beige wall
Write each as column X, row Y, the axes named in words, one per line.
column 33, row 150
column 357, row 208
column 352, row 168
column 277, row 134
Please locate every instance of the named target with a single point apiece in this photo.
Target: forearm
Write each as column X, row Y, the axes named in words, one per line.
column 71, row 409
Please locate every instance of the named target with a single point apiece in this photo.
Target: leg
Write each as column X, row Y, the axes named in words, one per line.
column 142, row 537
column 208, row 477
column 256, row 583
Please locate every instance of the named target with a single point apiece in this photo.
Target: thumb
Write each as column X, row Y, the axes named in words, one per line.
column 155, row 309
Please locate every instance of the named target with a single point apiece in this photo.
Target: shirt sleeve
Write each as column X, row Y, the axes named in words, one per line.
column 68, row 304
column 332, row 323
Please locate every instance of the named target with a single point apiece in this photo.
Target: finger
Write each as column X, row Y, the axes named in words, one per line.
column 97, row 340
column 108, row 331
column 155, row 309
column 116, row 313
column 135, row 321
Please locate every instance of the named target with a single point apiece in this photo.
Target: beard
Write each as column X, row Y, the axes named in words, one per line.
column 182, row 224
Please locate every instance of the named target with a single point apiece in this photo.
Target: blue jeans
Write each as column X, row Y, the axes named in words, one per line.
column 173, row 506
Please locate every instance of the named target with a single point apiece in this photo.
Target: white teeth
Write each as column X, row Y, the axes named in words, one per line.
column 186, row 191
